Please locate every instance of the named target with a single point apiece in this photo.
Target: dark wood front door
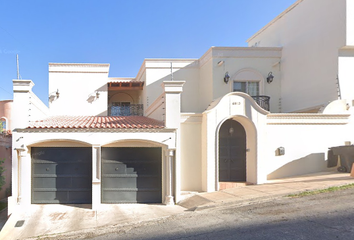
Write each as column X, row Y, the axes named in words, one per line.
column 232, row 152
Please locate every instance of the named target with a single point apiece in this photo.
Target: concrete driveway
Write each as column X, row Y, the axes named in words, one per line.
column 43, row 219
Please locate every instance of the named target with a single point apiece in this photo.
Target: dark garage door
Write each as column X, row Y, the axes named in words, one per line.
column 61, row 175
column 131, row 175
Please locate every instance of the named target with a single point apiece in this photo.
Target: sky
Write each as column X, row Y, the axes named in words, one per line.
column 121, row 33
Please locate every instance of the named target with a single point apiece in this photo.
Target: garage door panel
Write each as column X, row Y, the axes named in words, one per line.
column 61, row 175
column 125, row 182
column 131, row 175
column 114, row 167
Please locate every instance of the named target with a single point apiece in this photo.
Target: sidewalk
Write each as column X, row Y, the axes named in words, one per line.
column 272, row 189
column 47, row 219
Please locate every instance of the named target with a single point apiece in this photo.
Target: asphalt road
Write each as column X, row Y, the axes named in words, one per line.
column 323, row 216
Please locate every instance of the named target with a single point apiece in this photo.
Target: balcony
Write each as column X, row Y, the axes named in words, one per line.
column 128, row 110
column 262, row 101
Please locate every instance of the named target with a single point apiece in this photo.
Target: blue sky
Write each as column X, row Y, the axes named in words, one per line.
column 121, row 33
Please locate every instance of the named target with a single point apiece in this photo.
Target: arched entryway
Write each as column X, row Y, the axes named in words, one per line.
column 232, row 152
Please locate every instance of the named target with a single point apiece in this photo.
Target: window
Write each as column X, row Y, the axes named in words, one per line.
column 2, row 125
column 251, row 88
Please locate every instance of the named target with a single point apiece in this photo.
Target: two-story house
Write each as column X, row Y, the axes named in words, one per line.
column 236, row 114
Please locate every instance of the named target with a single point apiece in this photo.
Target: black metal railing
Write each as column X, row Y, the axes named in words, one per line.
column 131, row 110
column 262, row 101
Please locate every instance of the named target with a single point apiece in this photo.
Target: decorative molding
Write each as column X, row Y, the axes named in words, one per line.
column 103, row 65
column 307, row 119
column 93, row 130
column 216, row 102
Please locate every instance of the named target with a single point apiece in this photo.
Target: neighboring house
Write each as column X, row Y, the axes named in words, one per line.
column 190, row 124
column 6, row 145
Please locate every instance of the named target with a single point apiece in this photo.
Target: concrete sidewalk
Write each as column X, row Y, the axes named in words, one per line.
column 40, row 220
column 272, row 189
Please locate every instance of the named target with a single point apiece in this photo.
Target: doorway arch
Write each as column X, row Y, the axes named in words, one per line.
column 232, row 152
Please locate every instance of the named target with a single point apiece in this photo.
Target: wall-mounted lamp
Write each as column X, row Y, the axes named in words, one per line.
column 57, row 93
column 227, row 77
column 97, row 94
column 220, row 63
column 270, row 77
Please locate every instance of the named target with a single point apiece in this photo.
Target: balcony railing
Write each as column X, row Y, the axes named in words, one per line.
column 131, row 110
column 262, row 101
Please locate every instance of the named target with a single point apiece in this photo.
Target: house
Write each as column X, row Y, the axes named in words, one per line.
column 5, row 145
column 236, row 114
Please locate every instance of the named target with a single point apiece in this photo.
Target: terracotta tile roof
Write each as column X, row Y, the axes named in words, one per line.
column 92, row 122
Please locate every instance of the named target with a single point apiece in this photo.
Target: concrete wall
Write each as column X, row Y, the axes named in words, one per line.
column 310, row 32
column 77, row 85
column 205, row 90
column 159, row 70
column 350, row 22
column 239, row 61
column 346, row 72
column 306, row 139
column 191, row 151
column 5, row 146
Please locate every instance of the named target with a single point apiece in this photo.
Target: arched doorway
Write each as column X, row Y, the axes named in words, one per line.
column 232, row 152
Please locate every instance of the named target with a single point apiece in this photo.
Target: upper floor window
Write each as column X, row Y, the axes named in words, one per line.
column 2, row 125
column 249, row 87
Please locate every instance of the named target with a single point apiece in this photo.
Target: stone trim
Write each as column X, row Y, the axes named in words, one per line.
column 307, row 119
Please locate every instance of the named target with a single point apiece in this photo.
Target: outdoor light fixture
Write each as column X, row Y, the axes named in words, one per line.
column 57, row 93
column 270, row 77
column 220, row 63
column 97, row 94
column 227, row 77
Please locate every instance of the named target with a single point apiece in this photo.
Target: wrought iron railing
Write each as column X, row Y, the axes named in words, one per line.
column 262, row 101
column 131, row 110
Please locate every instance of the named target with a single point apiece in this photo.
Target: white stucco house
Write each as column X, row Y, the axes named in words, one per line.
column 236, row 114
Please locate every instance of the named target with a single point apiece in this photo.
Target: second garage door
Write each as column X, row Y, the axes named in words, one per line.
column 131, row 175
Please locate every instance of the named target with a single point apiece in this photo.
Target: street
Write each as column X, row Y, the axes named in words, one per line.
column 322, row 216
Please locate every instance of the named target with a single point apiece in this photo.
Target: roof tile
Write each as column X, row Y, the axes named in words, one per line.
column 92, row 122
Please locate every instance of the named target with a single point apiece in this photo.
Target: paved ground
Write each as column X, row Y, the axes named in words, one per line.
column 40, row 220
column 325, row 216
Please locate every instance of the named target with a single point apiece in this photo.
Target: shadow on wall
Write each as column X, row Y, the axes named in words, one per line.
column 315, row 162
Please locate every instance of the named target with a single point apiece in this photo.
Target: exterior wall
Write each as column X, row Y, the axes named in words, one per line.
column 132, row 96
column 205, row 90
column 191, row 150
column 5, row 146
column 258, row 60
column 350, row 22
column 306, row 139
column 346, row 72
column 159, row 70
column 77, row 85
column 310, row 54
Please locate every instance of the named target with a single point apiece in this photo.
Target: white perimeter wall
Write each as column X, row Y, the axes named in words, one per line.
column 306, row 144
column 311, row 34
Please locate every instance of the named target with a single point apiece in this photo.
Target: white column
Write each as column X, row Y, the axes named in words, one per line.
column 96, row 176
column 169, row 167
column 173, row 90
